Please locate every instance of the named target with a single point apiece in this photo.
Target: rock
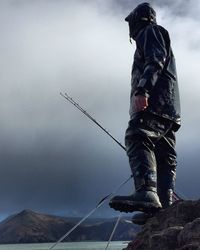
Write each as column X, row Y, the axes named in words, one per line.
column 190, row 233
column 190, row 247
column 174, row 228
column 166, row 239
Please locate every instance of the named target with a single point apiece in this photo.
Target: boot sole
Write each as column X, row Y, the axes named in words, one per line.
column 132, row 206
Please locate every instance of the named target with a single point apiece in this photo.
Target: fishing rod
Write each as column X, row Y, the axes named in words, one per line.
column 175, row 196
column 70, row 99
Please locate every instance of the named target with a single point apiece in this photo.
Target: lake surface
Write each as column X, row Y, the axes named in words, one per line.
column 116, row 245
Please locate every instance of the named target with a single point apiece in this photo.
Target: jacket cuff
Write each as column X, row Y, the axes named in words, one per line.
column 141, row 91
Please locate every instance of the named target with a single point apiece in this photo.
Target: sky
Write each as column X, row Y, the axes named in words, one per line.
column 52, row 158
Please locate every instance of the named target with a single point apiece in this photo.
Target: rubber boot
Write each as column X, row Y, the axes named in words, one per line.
column 166, row 197
column 165, row 185
column 145, row 199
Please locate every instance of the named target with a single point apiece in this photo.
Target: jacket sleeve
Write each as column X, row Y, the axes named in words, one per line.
column 153, row 48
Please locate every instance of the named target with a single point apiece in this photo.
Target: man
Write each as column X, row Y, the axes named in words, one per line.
column 154, row 116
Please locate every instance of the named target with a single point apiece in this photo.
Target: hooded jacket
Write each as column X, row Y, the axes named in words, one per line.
column 154, row 73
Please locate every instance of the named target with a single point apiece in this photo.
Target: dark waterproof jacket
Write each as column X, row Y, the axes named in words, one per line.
column 154, row 73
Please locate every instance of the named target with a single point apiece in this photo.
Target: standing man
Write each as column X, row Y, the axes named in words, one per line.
column 154, row 116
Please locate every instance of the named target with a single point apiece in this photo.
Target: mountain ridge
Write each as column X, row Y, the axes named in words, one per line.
column 28, row 226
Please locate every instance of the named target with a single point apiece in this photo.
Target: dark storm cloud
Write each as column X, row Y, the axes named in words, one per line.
column 52, row 158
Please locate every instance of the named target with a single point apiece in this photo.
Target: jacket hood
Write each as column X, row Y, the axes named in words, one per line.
column 140, row 17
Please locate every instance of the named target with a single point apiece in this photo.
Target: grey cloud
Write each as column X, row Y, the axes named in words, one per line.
column 52, row 158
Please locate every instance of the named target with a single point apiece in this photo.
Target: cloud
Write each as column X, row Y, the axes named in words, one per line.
column 52, row 158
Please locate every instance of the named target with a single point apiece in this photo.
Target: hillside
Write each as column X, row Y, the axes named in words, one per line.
column 31, row 227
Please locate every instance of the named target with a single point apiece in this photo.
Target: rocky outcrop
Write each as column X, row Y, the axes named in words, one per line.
column 174, row 228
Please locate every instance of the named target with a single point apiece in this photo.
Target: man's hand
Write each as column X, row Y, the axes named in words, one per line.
column 141, row 103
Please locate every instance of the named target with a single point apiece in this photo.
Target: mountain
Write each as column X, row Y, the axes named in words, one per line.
column 28, row 227
column 175, row 228
column 31, row 227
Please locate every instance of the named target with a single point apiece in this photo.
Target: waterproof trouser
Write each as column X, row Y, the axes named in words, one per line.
column 150, row 146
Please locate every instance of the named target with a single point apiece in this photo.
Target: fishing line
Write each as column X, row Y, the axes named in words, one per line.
column 101, row 202
column 114, row 229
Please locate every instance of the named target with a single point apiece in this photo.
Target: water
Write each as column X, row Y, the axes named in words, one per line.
column 116, row 245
